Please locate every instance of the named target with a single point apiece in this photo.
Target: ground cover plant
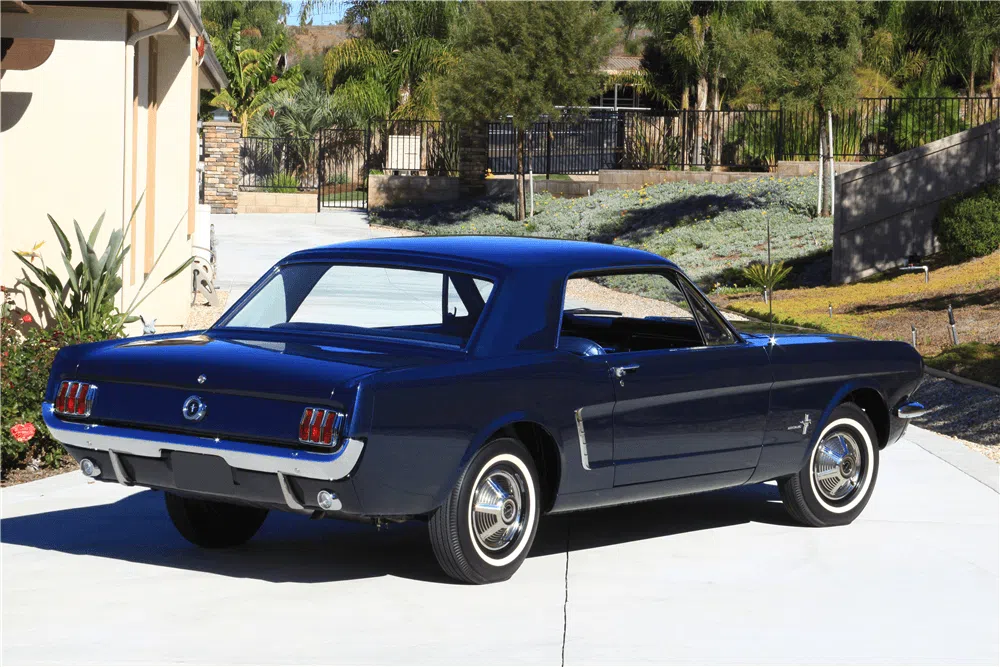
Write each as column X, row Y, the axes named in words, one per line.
column 711, row 230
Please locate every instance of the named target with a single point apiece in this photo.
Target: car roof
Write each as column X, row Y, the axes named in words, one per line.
column 499, row 251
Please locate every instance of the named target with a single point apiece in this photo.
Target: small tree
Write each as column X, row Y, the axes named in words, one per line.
column 254, row 80
column 522, row 59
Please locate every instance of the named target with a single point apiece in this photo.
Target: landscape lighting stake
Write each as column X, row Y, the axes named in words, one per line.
column 951, row 323
column 531, row 180
column 831, row 309
column 913, row 333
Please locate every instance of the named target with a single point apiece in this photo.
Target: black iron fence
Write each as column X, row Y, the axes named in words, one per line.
column 336, row 163
column 736, row 139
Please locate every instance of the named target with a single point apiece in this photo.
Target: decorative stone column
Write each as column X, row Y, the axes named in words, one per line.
column 222, row 165
column 473, row 160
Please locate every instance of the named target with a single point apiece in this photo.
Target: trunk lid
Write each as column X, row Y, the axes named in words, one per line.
column 253, row 389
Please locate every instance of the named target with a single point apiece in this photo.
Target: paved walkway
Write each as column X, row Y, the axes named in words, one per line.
column 249, row 244
column 94, row 573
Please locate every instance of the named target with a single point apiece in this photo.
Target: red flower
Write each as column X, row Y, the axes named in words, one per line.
column 274, row 78
column 27, row 319
column 270, row 112
column 23, row 432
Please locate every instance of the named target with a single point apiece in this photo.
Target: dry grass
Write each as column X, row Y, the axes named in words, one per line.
column 886, row 308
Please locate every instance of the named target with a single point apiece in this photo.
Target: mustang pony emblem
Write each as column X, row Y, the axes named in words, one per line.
column 804, row 424
column 194, row 409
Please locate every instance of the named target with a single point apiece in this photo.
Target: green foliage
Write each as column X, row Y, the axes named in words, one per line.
column 282, row 182
column 254, row 80
column 523, row 58
column 27, row 358
column 969, row 225
column 299, row 113
column 706, row 228
column 977, row 361
column 393, row 67
column 261, row 20
column 85, row 304
column 766, row 276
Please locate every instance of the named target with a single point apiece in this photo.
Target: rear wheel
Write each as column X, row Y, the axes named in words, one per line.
column 485, row 528
column 212, row 524
column 838, row 478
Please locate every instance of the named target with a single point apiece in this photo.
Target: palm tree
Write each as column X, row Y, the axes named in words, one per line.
column 391, row 69
column 254, row 79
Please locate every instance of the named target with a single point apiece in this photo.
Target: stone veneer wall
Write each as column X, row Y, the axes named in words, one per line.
column 222, row 166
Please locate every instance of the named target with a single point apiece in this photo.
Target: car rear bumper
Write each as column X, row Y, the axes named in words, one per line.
column 261, row 474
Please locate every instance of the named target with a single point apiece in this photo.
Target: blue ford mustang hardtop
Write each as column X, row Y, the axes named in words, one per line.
column 476, row 383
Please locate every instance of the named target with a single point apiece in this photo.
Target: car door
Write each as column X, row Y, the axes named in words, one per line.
column 692, row 409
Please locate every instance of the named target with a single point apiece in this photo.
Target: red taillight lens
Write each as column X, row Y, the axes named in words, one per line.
column 61, row 397
column 305, row 424
column 75, row 398
column 328, row 427
column 74, row 387
column 320, row 427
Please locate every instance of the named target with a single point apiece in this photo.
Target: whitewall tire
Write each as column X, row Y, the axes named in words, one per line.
column 840, row 473
column 484, row 530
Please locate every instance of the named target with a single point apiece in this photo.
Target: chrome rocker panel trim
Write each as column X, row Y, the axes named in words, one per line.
column 244, row 455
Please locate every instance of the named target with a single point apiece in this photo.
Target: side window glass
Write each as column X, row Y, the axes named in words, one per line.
column 714, row 329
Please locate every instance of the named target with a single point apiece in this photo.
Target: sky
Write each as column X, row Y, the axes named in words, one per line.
column 326, row 13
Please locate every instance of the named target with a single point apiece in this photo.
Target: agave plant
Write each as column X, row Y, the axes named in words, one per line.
column 85, row 302
column 766, row 276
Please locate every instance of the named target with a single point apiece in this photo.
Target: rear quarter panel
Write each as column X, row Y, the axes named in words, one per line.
column 427, row 423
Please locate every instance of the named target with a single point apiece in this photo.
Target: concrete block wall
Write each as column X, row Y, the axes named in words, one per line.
column 276, row 202
column 885, row 211
column 394, row 190
column 222, row 166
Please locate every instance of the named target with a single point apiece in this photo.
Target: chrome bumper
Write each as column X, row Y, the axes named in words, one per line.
column 911, row 411
column 247, row 456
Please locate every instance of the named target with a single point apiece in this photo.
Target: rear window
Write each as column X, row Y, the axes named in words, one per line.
column 434, row 306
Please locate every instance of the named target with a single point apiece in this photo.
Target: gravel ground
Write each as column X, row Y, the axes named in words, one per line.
column 962, row 411
column 592, row 295
column 203, row 315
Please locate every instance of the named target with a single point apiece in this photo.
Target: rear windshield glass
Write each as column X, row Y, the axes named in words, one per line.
column 433, row 306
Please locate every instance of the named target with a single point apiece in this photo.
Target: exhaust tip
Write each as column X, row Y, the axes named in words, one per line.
column 328, row 500
column 89, row 468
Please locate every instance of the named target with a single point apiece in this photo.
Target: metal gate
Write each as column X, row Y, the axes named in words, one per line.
column 343, row 168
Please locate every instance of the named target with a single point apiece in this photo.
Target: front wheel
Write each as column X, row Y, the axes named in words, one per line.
column 838, row 479
column 483, row 531
column 212, row 524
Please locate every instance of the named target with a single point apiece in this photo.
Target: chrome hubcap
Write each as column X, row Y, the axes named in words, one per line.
column 837, row 466
column 498, row 509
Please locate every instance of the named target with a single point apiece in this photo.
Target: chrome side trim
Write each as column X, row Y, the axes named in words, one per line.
column 244, row 455
column 119, row 469
column 584, row 456
column 911, row 411
column 286, row 491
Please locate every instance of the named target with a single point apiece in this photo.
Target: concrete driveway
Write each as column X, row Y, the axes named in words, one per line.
column 94, row 573
column 249, row 244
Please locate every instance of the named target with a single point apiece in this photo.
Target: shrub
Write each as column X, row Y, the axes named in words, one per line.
column 26, row 360
column 766, row 276
column 283, row 182
column 969, row 225
column 85, row 304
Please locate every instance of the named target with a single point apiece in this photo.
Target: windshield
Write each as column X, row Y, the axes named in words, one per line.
column 434, row 306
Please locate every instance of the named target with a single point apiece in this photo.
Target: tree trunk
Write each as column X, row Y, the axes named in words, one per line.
column 972, row 83
column 701, row 104
column 715, row 119
column 685, row 107
column 519, row 176
column 995, row 74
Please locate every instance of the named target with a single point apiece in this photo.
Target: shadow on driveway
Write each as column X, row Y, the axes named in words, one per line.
column 292, row 548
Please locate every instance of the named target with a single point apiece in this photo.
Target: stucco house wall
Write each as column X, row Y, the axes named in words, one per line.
column 83, row 146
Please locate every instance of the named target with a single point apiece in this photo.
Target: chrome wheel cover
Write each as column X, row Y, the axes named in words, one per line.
column 498, row 509
column 838, row 467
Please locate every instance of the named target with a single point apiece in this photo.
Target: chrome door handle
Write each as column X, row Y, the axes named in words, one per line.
column 621, row 371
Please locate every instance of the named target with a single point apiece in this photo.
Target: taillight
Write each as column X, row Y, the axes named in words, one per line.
column 75, row 398
column 320, row 427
